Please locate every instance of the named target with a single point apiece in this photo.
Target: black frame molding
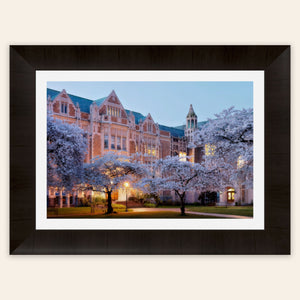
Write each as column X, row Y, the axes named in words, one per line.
column 25, row 60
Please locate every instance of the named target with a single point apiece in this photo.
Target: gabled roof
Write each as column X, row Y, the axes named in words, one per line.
column 100, row 101
column 84, row 103
column 173, row 131
column 138, row 116
column 52, row 94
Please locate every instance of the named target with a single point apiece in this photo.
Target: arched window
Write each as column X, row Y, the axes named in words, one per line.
column 192, row 125
column 189, row 125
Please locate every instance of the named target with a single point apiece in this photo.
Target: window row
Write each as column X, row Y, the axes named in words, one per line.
column 150, row 150
column 113, row 111
column 115, row 143
column 191, row 123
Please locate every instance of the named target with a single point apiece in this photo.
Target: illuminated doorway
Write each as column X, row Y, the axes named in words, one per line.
column 230, row 195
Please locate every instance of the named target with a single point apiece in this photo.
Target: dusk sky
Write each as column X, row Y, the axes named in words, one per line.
column 167, row 102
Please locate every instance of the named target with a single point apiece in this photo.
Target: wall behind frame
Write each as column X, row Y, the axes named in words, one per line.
column 136, row 22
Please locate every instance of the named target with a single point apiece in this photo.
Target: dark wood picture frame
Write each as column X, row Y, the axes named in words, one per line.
column 25, row 239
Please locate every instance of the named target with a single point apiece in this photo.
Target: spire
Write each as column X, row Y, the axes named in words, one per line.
column 191, row 112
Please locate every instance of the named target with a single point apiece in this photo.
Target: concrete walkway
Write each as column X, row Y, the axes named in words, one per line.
column 144, row 209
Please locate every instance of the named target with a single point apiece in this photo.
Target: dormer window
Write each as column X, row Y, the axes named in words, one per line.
column 150, row 127
column 64, row 108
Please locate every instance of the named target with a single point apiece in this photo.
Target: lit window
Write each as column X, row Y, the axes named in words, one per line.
column 210, row 150
column 182, row 156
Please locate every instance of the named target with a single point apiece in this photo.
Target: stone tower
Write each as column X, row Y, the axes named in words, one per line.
column 191, row 124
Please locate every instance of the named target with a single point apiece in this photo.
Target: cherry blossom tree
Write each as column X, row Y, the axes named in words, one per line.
column 66, row 149
column 181, row 177
column 151, row 182
column 229, row 144
column 174, row 174
column 107, row 173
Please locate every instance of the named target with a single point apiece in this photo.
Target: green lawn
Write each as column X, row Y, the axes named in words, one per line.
column 230, row 210
column 85, row 212
column 81, row 210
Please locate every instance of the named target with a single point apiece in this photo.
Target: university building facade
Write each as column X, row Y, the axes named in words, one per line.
column 111, row 127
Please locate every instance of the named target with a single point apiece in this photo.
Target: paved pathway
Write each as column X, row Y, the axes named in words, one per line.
column 190, row 212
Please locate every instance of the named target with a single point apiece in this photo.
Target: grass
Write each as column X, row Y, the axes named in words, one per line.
column 135, row 215
column 150, row 205
column 230, row 210
column 81, row 210
column 85, row 212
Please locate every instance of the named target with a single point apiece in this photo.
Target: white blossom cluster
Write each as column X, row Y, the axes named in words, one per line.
column 66, row 149
column 231, row 136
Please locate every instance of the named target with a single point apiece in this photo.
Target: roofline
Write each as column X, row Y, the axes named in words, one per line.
column 129, row 110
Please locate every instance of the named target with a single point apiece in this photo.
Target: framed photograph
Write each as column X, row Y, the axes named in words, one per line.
column 150, row 149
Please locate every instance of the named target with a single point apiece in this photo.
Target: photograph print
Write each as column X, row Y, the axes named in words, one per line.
column 150, row 150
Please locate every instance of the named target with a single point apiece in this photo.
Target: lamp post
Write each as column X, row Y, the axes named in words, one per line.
column 126, row 184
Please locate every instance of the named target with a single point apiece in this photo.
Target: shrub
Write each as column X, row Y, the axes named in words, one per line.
column 84, row 202
column 99, row 200
column 134, row 199
column 148, row 204
column 167, row 200
column 150, row 200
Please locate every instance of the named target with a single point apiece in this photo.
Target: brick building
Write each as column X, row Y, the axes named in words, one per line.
column 111, row 127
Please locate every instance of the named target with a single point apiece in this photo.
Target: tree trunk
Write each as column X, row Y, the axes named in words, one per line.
column 109, row 206
column 182, row 208
column 202, row 199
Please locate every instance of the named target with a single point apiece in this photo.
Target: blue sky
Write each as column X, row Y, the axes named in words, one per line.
column 167, row 102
